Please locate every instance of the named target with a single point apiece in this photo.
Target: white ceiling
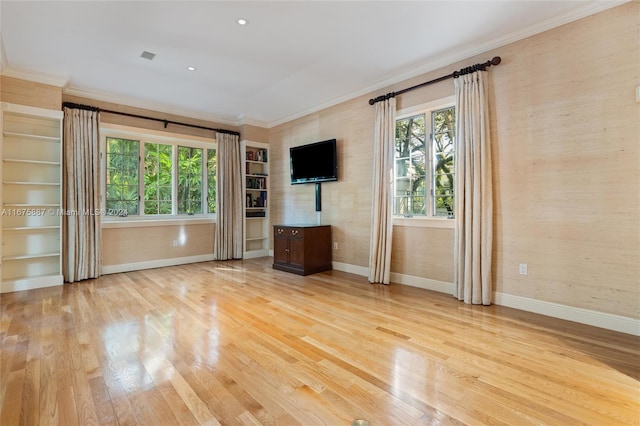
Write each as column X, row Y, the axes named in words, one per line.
column 292, row 58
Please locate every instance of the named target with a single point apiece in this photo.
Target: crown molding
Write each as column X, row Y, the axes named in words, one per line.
column 149, row 105
column 36, row 77
column 247, row 121
column 582, row 11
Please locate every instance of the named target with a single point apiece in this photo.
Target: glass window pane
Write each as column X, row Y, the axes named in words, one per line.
column 410, row 165
column 157, row 177
column 122, row 175
column 150, row 207
column 212, row 169
column 443, row 172
column 189, row 180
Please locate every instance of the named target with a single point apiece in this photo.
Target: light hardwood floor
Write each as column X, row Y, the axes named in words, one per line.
column 239, row 343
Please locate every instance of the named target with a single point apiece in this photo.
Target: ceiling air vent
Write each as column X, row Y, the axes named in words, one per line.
column 148, row 55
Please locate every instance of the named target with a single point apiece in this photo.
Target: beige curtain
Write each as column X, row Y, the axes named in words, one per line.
column 228, row 238
column 474, row 203
column 81, row 232
column 381, row 220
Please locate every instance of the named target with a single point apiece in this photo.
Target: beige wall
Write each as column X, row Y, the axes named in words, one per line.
column 30, row 93
column 150, row 124
column 143, row 244
column 565, row 129
column 254, row 133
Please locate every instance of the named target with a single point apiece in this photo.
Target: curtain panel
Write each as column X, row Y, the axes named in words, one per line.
column 81, row 231
column 474, row 197
column 229, row 200
column 381, row 218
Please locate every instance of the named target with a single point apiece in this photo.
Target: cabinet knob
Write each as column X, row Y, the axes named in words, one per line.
column 287, row 250
column 294, row 232
column 280, row 230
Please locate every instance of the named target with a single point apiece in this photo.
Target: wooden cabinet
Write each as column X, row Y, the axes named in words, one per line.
column 31, row 197
column 255, row 189
column 302, row 249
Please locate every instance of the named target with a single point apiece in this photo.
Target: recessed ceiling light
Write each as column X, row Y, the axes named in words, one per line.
column 242, row 21
column 191, row 68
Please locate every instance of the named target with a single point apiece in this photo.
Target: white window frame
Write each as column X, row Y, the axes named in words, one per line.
column 164, row 138
column 428, row 220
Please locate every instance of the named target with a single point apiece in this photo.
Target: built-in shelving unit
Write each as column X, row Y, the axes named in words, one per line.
column 256, row 206
column 30, row 193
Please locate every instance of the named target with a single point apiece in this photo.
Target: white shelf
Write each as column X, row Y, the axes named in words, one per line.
column 256, row 172
column 32, row 183
column 30, row 228
column 47, row 163
column 34, row 137
column 30, row 256
column 31, row 180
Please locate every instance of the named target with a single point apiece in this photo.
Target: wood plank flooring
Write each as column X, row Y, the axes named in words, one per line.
column 239, row 343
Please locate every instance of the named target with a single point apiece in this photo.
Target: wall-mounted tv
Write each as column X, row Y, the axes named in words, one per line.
column 315, row 162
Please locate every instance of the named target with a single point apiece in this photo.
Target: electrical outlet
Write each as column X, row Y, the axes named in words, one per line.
column 523, row 269
column 335, row 246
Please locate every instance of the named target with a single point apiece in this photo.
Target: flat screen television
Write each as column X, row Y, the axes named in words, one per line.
column 315, row 162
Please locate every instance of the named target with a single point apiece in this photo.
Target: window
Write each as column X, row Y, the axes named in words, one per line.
column 189, row 180
column 157, row 178
column 122, row 181
column 212, row 170
column 424, row 163
column 153, row 175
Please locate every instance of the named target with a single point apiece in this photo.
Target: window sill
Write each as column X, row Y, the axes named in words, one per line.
column 424, row 222
column 144, row 222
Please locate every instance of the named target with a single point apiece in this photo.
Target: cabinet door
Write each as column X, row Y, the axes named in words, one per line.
column 280, row 249
column 296, row 252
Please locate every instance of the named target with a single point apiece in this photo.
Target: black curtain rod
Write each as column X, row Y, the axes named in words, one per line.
column 166, row 122
column 468, row 70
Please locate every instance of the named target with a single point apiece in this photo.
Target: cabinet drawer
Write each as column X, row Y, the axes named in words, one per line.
column 289, row 232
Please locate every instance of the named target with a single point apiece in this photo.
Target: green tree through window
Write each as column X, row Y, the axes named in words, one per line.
column 157, row 178
column 410, row 192
column 212, row 169
column 189, row 180
column 443, row 125
column 174, row 177
column 122, row 177
column 424, row 164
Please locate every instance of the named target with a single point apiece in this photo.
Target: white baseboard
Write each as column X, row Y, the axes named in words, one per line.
column 570, row 313
column 555, row 310
column 31, row 283
column 136, row 266
column 252, row 254
column 352, row 269
column 425, row 283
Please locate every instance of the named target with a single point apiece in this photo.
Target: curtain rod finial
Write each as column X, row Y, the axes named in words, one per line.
column 496, row 60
